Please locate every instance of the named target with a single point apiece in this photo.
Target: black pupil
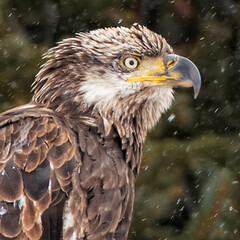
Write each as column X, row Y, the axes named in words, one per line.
column 131, row 62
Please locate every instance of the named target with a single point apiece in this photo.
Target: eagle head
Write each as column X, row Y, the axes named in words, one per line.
column 119, row 72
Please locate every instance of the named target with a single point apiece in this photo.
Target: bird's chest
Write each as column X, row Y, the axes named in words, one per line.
column 107, row 160
column 103, row 186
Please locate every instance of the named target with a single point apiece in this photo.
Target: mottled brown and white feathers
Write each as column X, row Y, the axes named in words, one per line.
column 69, row 159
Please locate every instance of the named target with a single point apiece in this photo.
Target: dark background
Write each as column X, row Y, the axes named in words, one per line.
column 188, row 187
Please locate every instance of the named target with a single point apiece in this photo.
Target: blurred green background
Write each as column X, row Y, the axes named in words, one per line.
column 189, row 185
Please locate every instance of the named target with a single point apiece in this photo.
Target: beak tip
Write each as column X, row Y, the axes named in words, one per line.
column 196, row 95
column 197, row 85
column 196, row 89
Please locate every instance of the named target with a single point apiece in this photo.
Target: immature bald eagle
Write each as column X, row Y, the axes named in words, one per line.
column 69, row 158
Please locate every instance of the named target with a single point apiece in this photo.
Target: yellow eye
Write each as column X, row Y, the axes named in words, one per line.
column 131, row 62
column 171, row 63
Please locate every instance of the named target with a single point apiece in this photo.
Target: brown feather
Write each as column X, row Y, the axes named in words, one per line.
column 35, row 232
column 10, row 221
column 43, row 203
column 29, row 215
column 11, row 184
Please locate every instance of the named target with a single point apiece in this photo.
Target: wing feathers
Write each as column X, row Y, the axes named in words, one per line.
column 37, row 160
column 29, row 215
column 32, row 160
column 44, row 202
column 11, row 182
column 36, row 183
column 6, row 146
column 35, row 232
column 9, row 219
column 40, row 164
column 50, row 136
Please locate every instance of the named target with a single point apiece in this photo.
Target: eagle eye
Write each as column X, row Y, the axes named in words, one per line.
column 131, row 62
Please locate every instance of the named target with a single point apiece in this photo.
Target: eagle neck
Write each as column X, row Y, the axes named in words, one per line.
column 128, row 132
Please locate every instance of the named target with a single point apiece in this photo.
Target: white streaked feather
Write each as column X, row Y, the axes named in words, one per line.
column 3, row 211
column 19, row 203
column 68, row 221
column 27, row 106
column 74, row 236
